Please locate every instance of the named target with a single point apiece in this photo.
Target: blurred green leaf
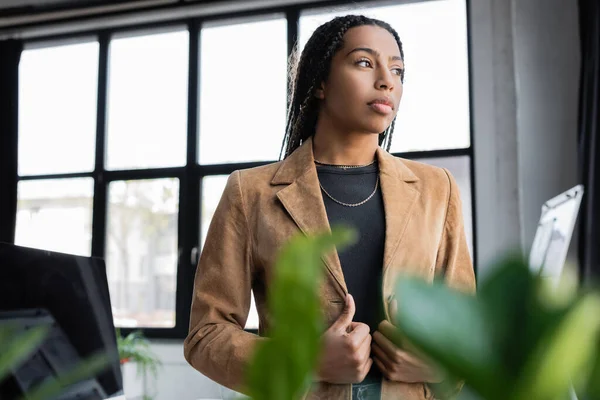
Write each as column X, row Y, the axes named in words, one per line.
column 563, row 352
column 523, row 337
column 505, row 295
column 16, row 346
column 451, row 328
column 593, row 387
column 282, row 366
column 86, row 369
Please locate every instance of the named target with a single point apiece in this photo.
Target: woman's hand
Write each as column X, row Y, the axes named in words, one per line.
column 397, row 364
column 346, row 347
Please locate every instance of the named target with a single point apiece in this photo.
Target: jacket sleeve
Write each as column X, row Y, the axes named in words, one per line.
column 217, row 344
column 455, row 266
column 453, row 259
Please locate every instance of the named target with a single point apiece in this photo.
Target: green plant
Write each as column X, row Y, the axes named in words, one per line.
column 282, row 366
column 519, row 339
column 16, row 347
column 136, row 348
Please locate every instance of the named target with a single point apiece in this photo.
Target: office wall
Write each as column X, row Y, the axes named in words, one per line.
column 547, row 59
column 525, row 81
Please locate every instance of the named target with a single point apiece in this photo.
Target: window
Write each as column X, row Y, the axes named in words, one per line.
column 243, row 90
column 55, row 215
column 147, row 100
column 127, row 136
column 141, row 253
column 57, row 109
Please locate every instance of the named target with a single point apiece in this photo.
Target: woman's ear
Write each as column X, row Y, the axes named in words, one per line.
column 320, row 92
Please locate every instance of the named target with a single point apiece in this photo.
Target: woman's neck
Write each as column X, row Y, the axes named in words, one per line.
column 343, row 148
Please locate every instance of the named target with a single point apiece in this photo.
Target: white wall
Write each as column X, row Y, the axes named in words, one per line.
column 547, row 59
column 525, row 71
column 525, row 68
column 495, row 129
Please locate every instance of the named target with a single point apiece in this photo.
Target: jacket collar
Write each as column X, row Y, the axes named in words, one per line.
column 302, row 160
column 303, row 201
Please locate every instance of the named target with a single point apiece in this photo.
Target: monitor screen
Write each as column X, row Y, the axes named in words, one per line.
column 553, row 235
column 74, row 290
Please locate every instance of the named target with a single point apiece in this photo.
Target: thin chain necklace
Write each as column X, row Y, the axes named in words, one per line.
column 344, row 166
column 352, row 204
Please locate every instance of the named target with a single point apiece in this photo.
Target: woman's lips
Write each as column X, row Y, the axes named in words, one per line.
column 381, row 108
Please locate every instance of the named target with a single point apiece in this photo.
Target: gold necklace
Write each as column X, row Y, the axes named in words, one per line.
column 352, row 204
column 344, row 166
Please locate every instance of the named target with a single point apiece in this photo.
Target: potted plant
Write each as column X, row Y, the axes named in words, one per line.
column 135, row 348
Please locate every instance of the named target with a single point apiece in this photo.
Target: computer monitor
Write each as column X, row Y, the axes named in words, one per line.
column 74, row 291
column 553, row 236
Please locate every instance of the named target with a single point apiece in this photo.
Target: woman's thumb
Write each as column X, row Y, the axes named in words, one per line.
column 345, row 318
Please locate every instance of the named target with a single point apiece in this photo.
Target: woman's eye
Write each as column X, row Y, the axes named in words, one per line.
column 398, row 71
column 363, row 62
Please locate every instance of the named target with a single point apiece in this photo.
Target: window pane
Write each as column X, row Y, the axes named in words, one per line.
column 460, row 169
column 147, row 101
column 212, row 189
column 55, row 215
column 434, row 112
column 57, row 109
column 141, row 256
column 243, row 91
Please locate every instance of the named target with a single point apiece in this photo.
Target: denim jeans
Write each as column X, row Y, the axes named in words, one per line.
column 366, row 391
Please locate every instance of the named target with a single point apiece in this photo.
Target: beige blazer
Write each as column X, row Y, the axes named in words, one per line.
column 261, row 208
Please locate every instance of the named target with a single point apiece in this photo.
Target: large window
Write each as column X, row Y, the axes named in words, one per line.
column 57, row 109
column 127, row 137
column 141, row 252
column 147, row 100
column 242, row 90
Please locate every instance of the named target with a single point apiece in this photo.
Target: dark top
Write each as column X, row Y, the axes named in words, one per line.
column 362, row 263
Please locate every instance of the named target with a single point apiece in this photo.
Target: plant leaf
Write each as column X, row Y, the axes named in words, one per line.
column 281, row 367
column 563, row 352
column 593, row 387
column 15, row 348
column 86, row 369
column 508, row 312
column 452, row 329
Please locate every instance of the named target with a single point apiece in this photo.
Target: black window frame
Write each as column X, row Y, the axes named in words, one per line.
column 191, row 174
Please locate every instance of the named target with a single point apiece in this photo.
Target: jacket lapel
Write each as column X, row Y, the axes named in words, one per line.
column 399, row 199
column 303, row 201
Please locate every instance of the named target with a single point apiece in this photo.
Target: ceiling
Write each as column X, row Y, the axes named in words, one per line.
column 17, row 13
column 22, row 9
column 14, row 8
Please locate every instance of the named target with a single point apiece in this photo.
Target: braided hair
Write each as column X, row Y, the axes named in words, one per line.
column 312, row 69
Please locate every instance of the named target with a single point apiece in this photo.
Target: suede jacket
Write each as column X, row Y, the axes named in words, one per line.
column 262, row 208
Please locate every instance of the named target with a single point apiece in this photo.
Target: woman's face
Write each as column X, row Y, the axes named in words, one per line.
column 364, row 87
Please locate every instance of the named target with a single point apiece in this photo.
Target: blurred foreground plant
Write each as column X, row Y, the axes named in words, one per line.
column 283, row 365
column 521, row 338
column 16, row 347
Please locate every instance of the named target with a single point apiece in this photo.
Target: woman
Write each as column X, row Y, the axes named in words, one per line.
column 346, row 93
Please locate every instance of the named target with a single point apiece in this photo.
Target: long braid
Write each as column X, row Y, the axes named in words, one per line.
column 312, row 69
column 389, row 135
